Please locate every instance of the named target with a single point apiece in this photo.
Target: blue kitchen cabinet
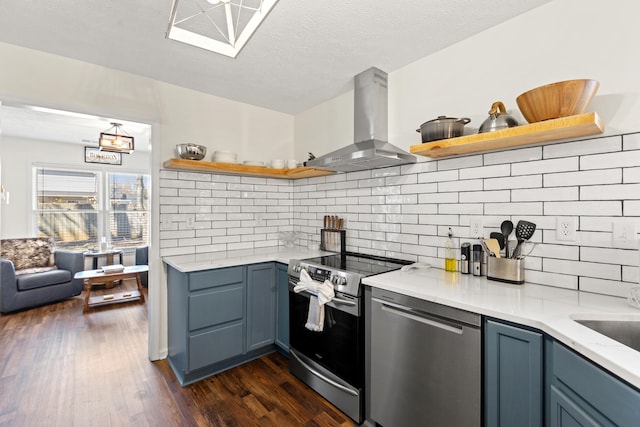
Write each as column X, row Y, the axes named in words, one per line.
column 282, row 308
column 583, row 394
column 261, row 305
column 513, row 375
column 206, row 320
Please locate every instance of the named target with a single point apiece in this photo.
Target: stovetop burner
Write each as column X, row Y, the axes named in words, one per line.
column 345, row 270
column 365, row 265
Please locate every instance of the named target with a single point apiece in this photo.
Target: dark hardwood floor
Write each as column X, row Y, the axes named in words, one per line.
column 59, row 367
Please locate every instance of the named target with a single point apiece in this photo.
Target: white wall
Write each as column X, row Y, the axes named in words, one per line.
column 561, row 40
column 36, row 78
column 21, row 155
column 177, row 115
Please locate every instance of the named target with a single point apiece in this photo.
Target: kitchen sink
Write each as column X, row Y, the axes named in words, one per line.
column 626, row 332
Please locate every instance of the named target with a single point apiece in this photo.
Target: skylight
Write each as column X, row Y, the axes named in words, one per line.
column 220, row 26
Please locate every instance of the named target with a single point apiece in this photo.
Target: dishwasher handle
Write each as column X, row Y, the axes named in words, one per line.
column 412, row 314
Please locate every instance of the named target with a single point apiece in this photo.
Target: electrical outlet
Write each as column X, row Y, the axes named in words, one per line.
column 191, row 222
column 566, row 229
column 475, row 228
column 624, row 235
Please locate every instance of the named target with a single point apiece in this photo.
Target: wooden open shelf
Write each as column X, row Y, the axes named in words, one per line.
column 549, row 130
column 237, row 169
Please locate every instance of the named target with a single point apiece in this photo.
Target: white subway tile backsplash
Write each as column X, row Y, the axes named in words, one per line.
column 551, row 279
column 461, row 208
column 485, row 172
column 632, row 208
column 582, row 268
column 631, row 175
column 468, row 185
column 565, row 179
column 521, row 208
column 460, row 162
column 552, row 194
column 485, row 196
column 610, row 256
column 526, row 181
column 513, row 156
column 610, row 192
column 435, row 198
column 590, row 146
column 631, row 141
column 610, row 160
column 607, row 287
column 420, row 167
column 406, row 211
column 451, row 175
column 419, row 188
column 545, row 166
column 609, row 208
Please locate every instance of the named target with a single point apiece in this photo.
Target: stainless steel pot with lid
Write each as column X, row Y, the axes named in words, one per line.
column 498, row 119
column 442, row 127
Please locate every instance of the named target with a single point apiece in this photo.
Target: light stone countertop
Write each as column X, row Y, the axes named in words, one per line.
column 548, row 309
column 209, row 260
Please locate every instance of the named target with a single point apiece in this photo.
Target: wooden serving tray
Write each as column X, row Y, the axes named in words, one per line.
column 548, row 130
column 238, row 169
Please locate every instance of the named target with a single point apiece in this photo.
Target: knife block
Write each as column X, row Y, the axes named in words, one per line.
column 332, row 240
column 507, row 270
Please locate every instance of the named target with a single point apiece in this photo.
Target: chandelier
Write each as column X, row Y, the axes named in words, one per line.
column 220, row 26
column 115, row 139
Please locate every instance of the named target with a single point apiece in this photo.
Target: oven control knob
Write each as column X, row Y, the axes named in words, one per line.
column 297, row 268
column 338, row 280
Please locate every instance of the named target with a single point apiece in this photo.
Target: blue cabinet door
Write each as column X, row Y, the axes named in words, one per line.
column 564, row 412
column 513, row 376
column 601, row 398
column 261, row 305
column 282, row 307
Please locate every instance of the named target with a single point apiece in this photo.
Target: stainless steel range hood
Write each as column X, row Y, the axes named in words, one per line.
column 370, row 149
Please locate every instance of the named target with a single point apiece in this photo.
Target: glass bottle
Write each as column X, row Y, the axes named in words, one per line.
column 449, row 253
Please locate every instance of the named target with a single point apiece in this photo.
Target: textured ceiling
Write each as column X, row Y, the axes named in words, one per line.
column 304, row 53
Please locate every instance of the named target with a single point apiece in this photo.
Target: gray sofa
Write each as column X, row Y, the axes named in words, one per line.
column 32, row 273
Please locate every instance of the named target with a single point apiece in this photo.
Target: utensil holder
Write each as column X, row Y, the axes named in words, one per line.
column 506, row 270
column 333, row 240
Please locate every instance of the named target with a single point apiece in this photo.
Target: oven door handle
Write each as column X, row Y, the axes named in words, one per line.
column 322, row 377
column 336, row 300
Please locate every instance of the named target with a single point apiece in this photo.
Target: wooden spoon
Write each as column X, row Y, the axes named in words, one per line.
column 494, row 246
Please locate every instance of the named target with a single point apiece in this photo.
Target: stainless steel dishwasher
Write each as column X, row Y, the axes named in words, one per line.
column 425, row 363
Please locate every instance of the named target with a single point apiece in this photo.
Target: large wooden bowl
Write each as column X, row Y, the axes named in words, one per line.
column 555, row 100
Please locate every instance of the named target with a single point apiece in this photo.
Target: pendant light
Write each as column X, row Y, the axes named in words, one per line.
column 116, row 140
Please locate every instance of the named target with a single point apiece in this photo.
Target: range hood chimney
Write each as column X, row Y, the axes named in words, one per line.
column 370, row 149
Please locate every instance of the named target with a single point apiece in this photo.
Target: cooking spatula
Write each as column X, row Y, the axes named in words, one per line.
column 499, row 237
column 524, row 232
column 493, row 246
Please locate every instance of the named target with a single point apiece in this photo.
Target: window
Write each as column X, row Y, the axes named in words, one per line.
column 78, row 208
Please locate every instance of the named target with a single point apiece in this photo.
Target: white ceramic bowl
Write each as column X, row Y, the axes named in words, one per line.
column 277, row 164
column 253, row 163
column 292, row 164
column 225, row 156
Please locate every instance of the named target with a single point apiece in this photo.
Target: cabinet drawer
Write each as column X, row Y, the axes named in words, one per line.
column 214, row 346
column 215, row 307
column 217, row 277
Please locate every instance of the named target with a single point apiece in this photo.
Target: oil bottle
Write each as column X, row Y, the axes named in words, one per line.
column 449, row 253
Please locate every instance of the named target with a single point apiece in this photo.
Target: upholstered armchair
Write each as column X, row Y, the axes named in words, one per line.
column 32, row 273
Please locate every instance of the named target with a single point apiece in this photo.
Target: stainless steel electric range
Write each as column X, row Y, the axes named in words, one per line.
column 332, row 361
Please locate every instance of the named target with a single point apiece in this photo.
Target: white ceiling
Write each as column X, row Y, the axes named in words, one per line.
column 304, row 53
